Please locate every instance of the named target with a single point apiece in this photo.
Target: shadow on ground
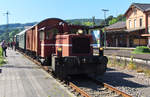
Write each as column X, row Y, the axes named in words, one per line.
column 119, row 79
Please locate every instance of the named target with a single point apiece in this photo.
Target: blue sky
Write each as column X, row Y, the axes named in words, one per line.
column 24, row 11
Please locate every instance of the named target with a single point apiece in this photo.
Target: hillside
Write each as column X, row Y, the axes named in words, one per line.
column 82, row 21
column 7, row 34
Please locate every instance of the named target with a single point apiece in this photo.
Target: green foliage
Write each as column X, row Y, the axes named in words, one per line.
column 88, row 23
column 131, row 65
column 114, row 20
column 8, row 35
column 121, row 17
column 141, row 50
column 82, row 21
column 0, row 52
column 13, row 33
column 68, row 21
column 77, row 23
column 111, row 20
column 1, row 58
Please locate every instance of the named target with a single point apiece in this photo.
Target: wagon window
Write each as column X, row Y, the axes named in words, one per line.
column 51, row 33
column 41, row 35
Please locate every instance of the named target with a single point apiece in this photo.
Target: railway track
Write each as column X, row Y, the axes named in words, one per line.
column 87, row 87
column 90, row 87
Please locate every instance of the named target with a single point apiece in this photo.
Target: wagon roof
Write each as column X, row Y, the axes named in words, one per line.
column 58, row 20
column 48, row 19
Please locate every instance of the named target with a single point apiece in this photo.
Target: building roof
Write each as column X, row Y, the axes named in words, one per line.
column 142, row 6
column 117, row 26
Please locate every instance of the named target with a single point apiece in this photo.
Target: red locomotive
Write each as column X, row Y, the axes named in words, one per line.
column 66, row 48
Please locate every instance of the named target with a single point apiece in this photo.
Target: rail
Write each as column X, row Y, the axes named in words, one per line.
column 74, row 87
column 111, row 88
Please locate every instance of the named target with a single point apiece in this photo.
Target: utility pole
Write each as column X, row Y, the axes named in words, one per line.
column 105, row 10
column 7, row 18
column 93, row 19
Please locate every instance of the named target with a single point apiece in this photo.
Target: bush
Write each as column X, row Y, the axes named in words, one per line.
column 0, row 52
column 141, row 49
column 1, row 58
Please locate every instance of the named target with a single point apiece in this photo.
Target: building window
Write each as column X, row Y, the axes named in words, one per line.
column 130, row 24
column 140, row 22
column 135, row 23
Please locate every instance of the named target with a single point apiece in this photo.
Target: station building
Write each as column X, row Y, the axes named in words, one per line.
column 135, row 31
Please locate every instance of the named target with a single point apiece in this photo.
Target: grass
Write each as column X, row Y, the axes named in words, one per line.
column 1, row 58
column 130, row 66
column 141, row 50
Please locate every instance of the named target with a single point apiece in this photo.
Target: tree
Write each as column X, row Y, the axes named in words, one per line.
column 107, row 20
column 68, row 21
column 88, row 23
column 114, row 20
column 77, row 23
column 121, row 17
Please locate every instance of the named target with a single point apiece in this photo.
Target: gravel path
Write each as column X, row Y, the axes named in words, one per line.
column 131, row 82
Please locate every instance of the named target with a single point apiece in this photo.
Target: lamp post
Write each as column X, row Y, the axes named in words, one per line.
column 105, row 10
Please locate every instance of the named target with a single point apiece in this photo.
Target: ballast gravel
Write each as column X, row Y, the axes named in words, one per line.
column 129, row 81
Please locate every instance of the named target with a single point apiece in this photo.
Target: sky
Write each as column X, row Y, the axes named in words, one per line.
column 27, row 11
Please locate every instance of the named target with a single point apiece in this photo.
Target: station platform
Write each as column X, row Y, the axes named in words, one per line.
column 125, row 52
column 20, row 77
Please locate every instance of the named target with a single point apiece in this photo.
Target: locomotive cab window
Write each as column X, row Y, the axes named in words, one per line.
column 41, row 35
column 51, row 33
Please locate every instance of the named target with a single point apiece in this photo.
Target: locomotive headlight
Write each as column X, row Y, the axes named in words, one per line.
column 101, row 49
column 59, row 49
column 80, row 31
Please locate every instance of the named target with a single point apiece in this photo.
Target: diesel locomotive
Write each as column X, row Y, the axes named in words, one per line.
column 66, row 48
